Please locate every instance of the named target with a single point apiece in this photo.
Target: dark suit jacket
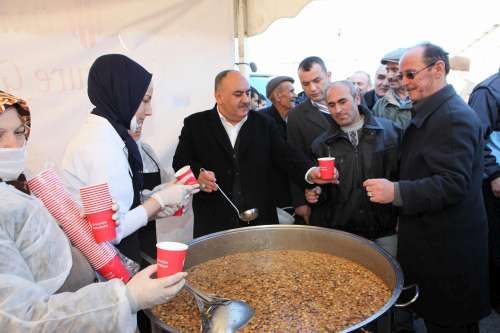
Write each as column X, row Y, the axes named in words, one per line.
column 485, row 100
column 204, row 143
column 279, row 179
column 305, row 123
column 443, row 236
column 274, row 115
column 369, row 99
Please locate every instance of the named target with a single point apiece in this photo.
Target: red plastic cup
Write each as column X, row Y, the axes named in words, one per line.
column 179, row 212
column 96, row 201
column 326, row 167
column 170, row 257
column 184, row 176
column 114, row 269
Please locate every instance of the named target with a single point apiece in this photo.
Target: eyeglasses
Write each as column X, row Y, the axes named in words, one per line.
column 410, row 75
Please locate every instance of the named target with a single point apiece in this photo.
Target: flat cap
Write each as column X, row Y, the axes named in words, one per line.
column 392, row 56
column 274, row 82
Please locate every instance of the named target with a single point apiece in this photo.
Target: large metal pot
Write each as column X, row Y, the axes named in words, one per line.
column 298, row 237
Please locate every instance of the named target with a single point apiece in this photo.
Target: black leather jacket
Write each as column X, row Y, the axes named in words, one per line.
column 376, row 156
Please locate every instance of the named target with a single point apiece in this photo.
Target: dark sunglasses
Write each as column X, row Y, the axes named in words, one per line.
column 410, row 75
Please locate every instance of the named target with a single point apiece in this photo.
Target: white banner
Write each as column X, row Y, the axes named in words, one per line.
column 49, row 46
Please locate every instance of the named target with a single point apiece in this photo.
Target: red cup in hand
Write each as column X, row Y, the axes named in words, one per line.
column 96, row 201
column 184, row 176
column 326, row 167
column 170, row 257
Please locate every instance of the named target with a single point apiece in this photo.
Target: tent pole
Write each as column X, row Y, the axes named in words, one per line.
column 241, row 16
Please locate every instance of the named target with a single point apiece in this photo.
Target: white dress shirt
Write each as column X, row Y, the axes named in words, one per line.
column 321, row 107
column 231, row 130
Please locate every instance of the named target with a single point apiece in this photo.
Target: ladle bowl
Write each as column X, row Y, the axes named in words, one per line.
column 247, row 215
column 230, row 316
column 218, row 314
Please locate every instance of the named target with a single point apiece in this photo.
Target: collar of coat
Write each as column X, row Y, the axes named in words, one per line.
column 423, row 109
column 273, row 112
column 370, row 123
column 245, row 135
column 392, row 99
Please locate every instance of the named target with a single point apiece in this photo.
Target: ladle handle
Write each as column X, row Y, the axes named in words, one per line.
column 225, row 196
column 197, row 293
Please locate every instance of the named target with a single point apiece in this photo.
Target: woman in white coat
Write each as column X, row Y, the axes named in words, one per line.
column 38, row 261
column 105, row 150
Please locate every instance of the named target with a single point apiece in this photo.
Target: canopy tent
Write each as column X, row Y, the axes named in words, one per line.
column 253, row 17
column 50, row 45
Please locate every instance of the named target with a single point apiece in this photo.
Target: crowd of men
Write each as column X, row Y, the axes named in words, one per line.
column 416, row 170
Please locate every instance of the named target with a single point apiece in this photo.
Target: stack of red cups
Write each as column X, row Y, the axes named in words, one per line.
column 103, row 257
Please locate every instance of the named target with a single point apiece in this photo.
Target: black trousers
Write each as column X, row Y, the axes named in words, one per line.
column 435, row 328
column 492, row 205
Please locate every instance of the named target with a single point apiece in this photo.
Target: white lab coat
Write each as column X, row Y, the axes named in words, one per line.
column 36, row 260
column 96, row 155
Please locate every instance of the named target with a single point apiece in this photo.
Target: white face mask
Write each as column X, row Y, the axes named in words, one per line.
column 135, row 127
column 12, row 162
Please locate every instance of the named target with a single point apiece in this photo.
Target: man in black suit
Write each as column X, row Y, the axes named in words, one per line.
column 236, row 147
column 306, row 122
column 443, row 232
column 485, row 100
column 281, row 93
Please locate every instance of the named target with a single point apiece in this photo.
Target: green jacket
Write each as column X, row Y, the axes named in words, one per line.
column 388, row 107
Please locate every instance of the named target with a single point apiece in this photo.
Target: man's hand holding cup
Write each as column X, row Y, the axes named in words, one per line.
column 314, row 176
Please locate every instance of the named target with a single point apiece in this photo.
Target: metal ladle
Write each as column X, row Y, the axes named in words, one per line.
column 247, row 215
column 220, row 315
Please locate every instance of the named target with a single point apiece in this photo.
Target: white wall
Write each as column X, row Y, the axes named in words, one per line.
column 48, row 47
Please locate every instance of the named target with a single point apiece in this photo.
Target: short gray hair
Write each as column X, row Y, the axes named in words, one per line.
column 353, row 90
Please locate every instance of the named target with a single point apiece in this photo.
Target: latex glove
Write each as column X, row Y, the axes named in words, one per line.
column 145, row 292
column 175, row 194
column 167, row 211
column 146, row 194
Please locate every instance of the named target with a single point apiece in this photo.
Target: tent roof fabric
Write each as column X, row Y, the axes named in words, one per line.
column 260, row 14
